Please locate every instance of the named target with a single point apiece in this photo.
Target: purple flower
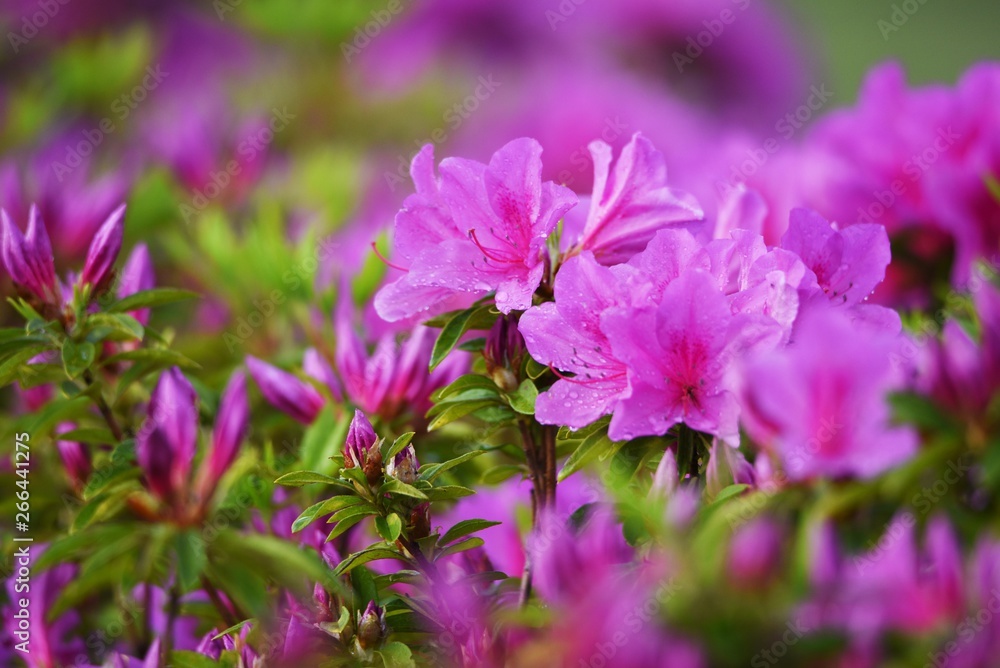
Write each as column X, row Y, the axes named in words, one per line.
column 166, row 442
column 28, row 258
column 567, row 335
column 230, row 428
column 137, row 275
column 680, row 356
column 848, row 263
column 755, row 552
column 316, row 367
column 488, row 226
column 104, row 249
column 291, row 396
column 820, row 403
column 371, row 626
column 632, row 202
column 568, row 561
column 393, row 378
column 75, row 457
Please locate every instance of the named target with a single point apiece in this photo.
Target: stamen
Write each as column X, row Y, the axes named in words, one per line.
column 475, row 240
column 386, row 260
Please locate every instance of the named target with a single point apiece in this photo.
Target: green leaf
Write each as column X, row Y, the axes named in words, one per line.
column 364, row 585
column 11, row 366
column 589, row 450
column 523, row 398
column 447, row 492
column 497, row 474
column 464, row 528
column 393, row 486
column 343, row 526
column 463, row 545
column 373, row 553
column 77, row 357
column 161, row 357
column 299, row 478
column 397, row 446
column 72, row 546
column 430, row 472
column 389, row 527
column 453, row 330
column 396, row 655
column 276, row 559
column 150, row 299
column 455, row 411
column 190, row 549
column 467, row 382
column 90, row 435
column 473, row 345
column 188, row 659
column 728, row 492
column 363, row 509
column 323, row 508
column 114, row 326
column 535, row 369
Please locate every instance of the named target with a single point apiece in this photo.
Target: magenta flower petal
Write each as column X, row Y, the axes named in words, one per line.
column 230, row 428
column 632, row 202
column 103, row 252
column 295, row 398
column 137, row 275
column 165, row 445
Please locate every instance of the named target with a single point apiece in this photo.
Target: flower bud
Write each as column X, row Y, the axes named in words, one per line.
column 362, row 448
column 104, row 249
column 230, row 428
column 504, row 352
column 316, row 367
column 665, row 478
column 75, row 457
column 755, row 552
column 420, row 521
column 726, row 466
column 403, row 467
column 285, row 392
column 136, row 276
column 372, row 628
column 28, row 258
column 165, row 445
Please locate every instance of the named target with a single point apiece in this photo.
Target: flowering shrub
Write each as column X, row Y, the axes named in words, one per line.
column 539, row 420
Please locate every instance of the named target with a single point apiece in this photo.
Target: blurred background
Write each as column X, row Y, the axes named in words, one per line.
column 263, row 145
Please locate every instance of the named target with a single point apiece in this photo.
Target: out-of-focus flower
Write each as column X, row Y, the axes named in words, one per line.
column 631, row 203
column 28, row 258
column 755, row 552
column 291, row 396
column 926, row 176
column 75, row 457
column 316, row 367
column 52, row 642
column 566, row 560
column 107, row 243
column 165, row 445
column 231, row 424
column 480, row 228
column 821, row 403
column 137, row 275
column 726, row 466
